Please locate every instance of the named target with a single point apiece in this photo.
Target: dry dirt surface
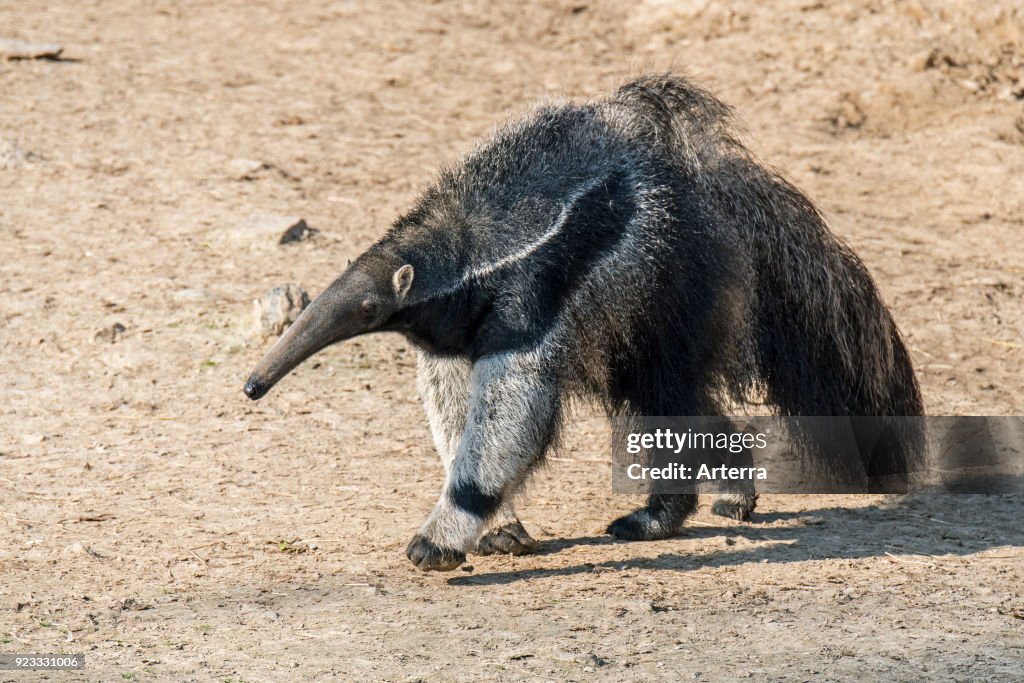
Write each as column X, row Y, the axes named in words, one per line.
column 155, row 520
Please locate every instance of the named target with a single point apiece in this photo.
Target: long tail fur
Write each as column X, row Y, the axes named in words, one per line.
column 822, row 339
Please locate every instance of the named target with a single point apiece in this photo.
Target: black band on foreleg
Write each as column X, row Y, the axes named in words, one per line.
column 467, row 496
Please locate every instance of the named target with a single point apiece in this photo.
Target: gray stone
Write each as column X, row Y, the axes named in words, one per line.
column 300, row 232
column 267, row 226
column 245, row 169
column 279, row 308
column 12, row 49
column 111, row 334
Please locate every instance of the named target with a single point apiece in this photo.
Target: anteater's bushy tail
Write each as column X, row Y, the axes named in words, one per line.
column 823, row 341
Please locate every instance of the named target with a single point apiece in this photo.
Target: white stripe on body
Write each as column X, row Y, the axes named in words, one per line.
column 524, row 253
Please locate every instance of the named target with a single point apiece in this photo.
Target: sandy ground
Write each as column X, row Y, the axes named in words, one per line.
column 155, row 520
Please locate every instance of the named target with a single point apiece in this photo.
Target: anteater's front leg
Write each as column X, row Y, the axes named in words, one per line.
column 512, row 419
column 444, row 385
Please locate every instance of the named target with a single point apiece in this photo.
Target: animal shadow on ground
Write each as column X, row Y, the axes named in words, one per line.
column 918, row 524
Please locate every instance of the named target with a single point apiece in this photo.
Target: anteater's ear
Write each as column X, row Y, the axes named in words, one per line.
column 402, row 281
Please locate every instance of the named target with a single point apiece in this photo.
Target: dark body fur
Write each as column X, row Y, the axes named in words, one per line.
column 687, row 276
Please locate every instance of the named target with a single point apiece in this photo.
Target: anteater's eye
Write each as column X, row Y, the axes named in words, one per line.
column 369, row 309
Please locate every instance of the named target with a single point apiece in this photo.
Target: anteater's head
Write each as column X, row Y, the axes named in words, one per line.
column 365, row 298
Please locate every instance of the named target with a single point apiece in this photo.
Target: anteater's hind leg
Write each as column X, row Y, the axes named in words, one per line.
column 512, row 419
column 737, row 506
column 666, row 512
column 739, row 500
column 444, row 386
column 661, row 518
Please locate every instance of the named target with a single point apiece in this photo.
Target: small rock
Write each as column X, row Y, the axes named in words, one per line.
column 78, row 548
column 33, row 439
column 131, row 605
column 970, row 85
column 592, row 660
column 111, row 334
column 279, row 308
column 849, row 113
column 190, row 295
column 270, row 226
column 922, row 61
column 290, row 120
column 12, row 49
column 637, row 606
column 245, row 169
column 12, row 155
column 300, row 232
column 271, row 615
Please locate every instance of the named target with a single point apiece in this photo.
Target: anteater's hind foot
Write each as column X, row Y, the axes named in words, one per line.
column 738, row 506
column 663, row 516
column 507, row 539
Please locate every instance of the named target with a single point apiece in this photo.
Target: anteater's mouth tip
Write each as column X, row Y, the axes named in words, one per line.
column 255, row 389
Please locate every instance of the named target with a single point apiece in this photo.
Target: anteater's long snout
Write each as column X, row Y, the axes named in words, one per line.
column 315, row 329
